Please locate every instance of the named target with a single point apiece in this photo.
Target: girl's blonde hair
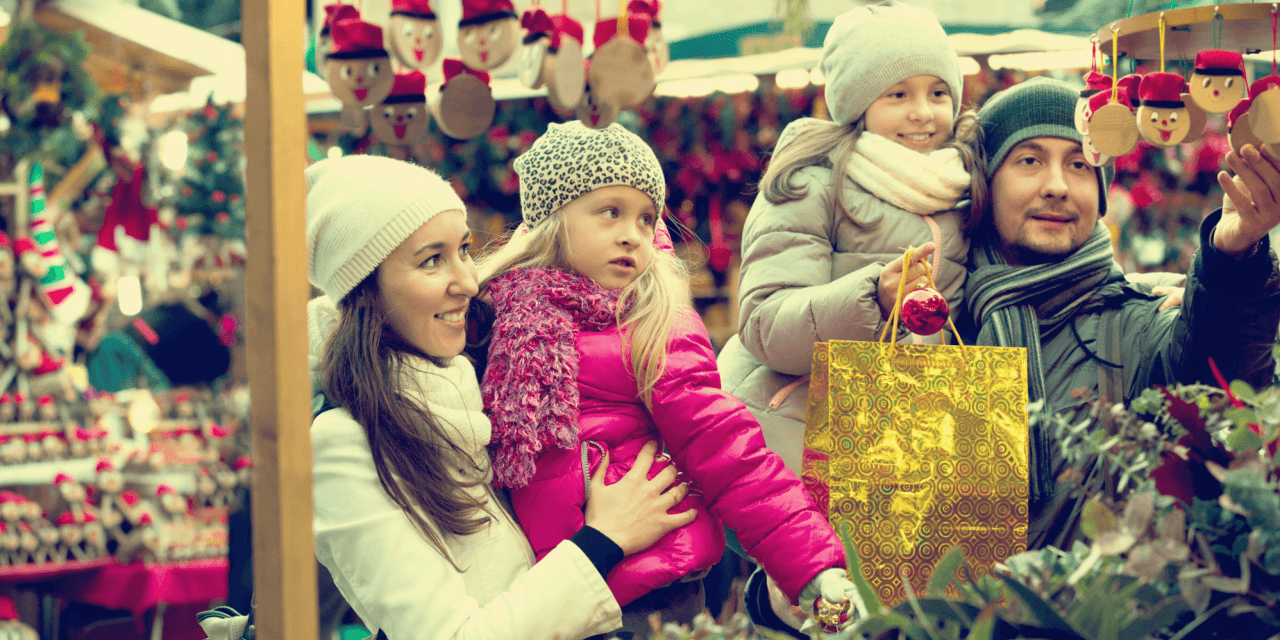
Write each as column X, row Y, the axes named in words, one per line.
column 828, row 144
column 648, row 308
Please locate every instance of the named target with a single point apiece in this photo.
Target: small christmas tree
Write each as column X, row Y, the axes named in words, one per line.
column 210, row 197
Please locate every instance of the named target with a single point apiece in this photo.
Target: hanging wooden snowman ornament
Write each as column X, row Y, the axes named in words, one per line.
column 1094, row 83
column 413, row 33
column 1239, row 131
column 1092, row 154
column 1112, row 131
column 324, row 41
column 1217, row 84
column 401, row 119
column 593, row 111
column 359, row 69
column 620, row 73
column 655, row 45
column 463, row 106
column 564, row 70
column 538, row 28
column 1264, row 112
column 1162, row 115
column 487, row 33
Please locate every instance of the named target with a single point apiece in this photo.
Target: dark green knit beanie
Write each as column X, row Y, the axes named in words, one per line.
column 1038, row 108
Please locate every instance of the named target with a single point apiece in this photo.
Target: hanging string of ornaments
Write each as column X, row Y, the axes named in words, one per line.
column 380, row 76
column 1163, row 107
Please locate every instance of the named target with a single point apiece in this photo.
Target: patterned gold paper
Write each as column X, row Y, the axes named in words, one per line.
column 919, row 448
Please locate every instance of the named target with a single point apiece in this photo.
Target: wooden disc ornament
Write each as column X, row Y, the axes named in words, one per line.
column 1162, row 115
column 564, row 71
column 487, row 33
column 1094, row 83
column 463, row 106
column 413, row 33
column 1198, row 118
column 401, row 119
column 1264, row 113
column 1092, row 156
column 1239, row 130
column 620, row 73
column 594, row 112
column 1217, row 85
column 1111, row 127
column 358, row 68
column 538, row 28
column 655, row 44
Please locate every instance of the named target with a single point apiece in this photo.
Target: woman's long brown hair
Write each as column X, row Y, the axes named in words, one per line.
column 364, row 365
column 827, row 144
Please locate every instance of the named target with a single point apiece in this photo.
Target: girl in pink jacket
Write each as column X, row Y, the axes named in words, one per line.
column 595, row 351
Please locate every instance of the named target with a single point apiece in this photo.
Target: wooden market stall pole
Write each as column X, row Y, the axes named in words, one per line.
column 284, row 562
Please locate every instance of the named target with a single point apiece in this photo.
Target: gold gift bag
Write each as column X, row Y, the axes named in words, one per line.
column 916, row 448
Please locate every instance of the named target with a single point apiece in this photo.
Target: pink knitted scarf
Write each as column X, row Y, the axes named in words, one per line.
column 530, row 385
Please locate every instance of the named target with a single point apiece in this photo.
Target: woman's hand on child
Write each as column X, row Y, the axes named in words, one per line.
column 891, row 275
column 633, row 512
column 1172, row 296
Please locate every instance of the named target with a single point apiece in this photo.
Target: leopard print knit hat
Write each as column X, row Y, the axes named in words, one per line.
column 571, row 159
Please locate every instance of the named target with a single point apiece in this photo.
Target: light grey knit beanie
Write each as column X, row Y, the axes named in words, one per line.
column 571, row 159
column 359, row 209
column 875, row 47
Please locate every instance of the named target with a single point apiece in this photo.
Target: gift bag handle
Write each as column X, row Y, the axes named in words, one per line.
column 909, row 259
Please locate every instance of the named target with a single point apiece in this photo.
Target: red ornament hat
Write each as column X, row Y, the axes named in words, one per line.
column 1162, row 90
column 1216, row 62
column 20, row 397
column 182, row 397
column 408, row 87
column 335, row 12
column 413, row 8
column 31, row 437
column 1131, row 83
column 1262, row 84
column 129, row 498
column 243, row 461
column 66, row 518
column 1239, row 110
column 454, row 66
column 145, row 519
column 536, row 23
column 164, row 488
column 5, row 398
column 566, row 26
column 217, row 431
column 61, row 478
column 355, row 38
column 4, row 240
column 1095, row 82
column 481, row 11
column 637, row 28
column 44, row 400
column 83, row 435
column 88, row 515
column 105, row 463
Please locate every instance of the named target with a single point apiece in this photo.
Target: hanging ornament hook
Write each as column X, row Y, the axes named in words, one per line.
column 1115, row 61
column 1217, row 28
column 1093, row 56
column 1162, row 30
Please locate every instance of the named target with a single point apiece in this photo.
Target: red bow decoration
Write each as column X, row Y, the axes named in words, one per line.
column 637, row 28
column 454, row 66
column 566, row 26
column 536, row 20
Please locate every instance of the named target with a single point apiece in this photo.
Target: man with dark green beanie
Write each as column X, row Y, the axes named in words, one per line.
column 1042, row 276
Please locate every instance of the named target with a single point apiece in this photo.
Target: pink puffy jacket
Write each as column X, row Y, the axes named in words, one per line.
column 712, row 438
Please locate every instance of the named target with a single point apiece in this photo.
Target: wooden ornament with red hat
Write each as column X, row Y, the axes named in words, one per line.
column 620, row 73
column 487, row 33
column 401, row 119
column 655, row 44
column 463, row 106
column 564, row 70
column 1239, row 131
column 1094, row 83
column 1112, row 129
column 413, row 34
column 1264, row 113
column 592, row 111
column 1217, row 82
column 1162, row 115
column 359, row 68
column 538, row 30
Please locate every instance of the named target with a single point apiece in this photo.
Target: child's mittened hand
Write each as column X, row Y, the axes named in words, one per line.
column 633, row 512
column 891, row 275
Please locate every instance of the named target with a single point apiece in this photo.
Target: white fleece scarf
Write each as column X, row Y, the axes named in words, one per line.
column 923, row 184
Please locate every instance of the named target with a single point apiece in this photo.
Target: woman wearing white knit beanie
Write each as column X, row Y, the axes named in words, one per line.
column 405, row 519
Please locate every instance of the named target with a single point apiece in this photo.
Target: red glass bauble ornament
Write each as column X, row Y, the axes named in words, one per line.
column 924, row 311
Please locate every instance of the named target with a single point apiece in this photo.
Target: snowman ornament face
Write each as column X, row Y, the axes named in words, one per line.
column 360, row 81
column 533, row 58
column 595, row 113
column 400, row 124
column 1217, row 93
column 1164, row 126
column 488, row 44
column 415, row 41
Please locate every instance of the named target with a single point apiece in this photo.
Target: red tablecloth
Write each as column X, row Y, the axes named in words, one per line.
column 138, row 587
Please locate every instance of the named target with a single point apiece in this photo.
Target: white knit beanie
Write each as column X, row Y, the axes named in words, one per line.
column 875, row 47
column 359, row 209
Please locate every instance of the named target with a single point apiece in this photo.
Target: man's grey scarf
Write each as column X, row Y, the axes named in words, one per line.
column 1012, row 307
